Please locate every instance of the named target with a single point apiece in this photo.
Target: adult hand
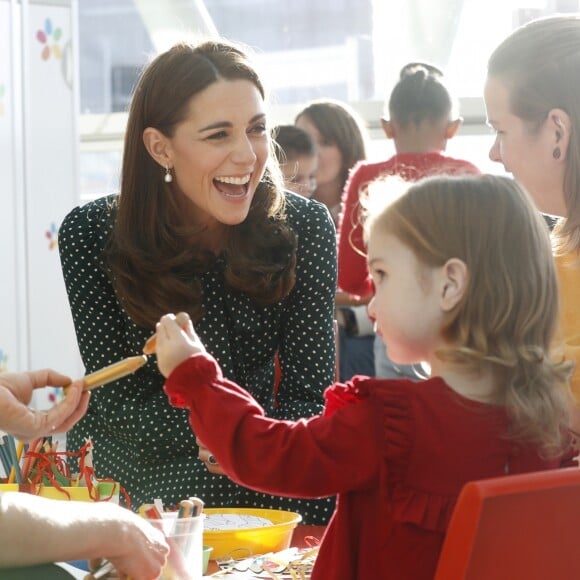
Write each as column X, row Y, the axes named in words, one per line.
column 35, row 529
column 133, row 546
column 176, row 341
column 208, row 458
column 24, row 423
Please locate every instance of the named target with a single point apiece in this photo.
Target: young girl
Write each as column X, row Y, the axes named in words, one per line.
column 422, row 117
column 458, row 286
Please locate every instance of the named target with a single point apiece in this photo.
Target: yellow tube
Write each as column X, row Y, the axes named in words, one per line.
column 113, row 372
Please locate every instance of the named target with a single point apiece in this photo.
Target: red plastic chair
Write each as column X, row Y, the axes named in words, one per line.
column 518, row 527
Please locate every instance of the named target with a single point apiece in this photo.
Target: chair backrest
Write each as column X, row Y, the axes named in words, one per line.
column 515, row 527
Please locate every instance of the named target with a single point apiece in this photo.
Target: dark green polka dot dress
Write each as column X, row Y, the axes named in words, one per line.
column 143, row 442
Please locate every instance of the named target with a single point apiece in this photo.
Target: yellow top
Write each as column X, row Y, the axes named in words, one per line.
column 569, row 280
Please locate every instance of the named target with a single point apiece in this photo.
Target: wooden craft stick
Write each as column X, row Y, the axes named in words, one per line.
column 176, row 564
column 113, row 372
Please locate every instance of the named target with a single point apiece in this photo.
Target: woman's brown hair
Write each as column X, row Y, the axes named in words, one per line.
column 154, row 254
column 507, row 318
column 340, row 125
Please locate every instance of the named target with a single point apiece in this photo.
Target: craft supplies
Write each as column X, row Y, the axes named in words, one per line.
column 113, row 372
column 104, row 569
column 292, row 563
column 207, row 550
column 251, row 540
column 184, row 536
column 197, row 506
column 234, row 521
column 43, row 470
column 15, row 455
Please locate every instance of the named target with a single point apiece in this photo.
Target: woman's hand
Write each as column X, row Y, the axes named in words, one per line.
column 35, row 529
column 24, row 423
column 207, row 457
column 132, row 544
column 176, row 341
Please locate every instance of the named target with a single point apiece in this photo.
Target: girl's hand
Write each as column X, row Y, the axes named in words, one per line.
column 176, row 341
column 24, row 423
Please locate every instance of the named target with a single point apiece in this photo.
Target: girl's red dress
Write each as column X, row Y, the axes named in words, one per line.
column 395, row 452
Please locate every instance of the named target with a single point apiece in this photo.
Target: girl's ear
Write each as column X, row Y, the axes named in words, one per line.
column 158, row 146
column 455, row 278
column 559, row 130
column 388, row 128
column 453, row 127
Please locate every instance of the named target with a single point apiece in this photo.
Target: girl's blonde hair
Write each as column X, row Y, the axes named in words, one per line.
column 506, row 320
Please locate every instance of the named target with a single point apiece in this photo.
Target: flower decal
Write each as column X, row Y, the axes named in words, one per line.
column 52, row 236
column 49, row 37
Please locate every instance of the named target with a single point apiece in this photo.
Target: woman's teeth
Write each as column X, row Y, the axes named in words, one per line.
column 230, row 186
column 234, row 180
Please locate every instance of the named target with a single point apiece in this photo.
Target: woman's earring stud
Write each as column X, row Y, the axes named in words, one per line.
column 168, row 177
column 556, row 153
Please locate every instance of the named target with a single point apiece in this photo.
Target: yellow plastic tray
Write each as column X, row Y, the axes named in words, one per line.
column 76, row 493
column 244, row 542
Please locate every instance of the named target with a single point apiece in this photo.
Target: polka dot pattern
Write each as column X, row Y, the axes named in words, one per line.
column 143, row 442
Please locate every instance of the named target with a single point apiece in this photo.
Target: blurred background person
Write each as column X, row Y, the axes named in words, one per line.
column 341, row 140
column 422, row 117
column 296, row 154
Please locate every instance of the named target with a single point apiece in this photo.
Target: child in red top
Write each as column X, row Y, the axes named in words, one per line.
column 457, row 286
column 422, row 117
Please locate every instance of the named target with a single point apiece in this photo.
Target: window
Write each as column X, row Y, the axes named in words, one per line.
column 345, row 49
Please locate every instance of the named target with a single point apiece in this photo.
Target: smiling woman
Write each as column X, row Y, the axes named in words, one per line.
column 201, row 225
column 218, row 153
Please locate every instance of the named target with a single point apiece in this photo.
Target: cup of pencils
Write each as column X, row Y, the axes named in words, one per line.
column 184, row 533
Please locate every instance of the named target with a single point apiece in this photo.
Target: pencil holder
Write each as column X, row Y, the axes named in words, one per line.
column 185, row 539
column 103, row 491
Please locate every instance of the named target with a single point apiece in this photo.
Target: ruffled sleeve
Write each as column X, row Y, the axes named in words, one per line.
column 179, row 385
column 410, row 503
column 338, row 396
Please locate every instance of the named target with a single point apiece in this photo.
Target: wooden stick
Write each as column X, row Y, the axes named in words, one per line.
column 113, row 372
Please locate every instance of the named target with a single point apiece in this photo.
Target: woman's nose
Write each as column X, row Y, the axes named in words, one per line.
column 494, row 153
column 243, row 152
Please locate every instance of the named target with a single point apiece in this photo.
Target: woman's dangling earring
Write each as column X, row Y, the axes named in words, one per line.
column 168, row 177
column 556, row 153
